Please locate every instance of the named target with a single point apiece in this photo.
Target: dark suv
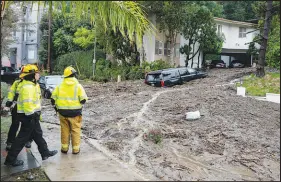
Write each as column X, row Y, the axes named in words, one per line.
column 172, row 76
column 9, row 74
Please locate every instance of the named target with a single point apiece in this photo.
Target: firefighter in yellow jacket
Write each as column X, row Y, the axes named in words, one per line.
column 29, row 111
column 68, row 98
column 15, row 120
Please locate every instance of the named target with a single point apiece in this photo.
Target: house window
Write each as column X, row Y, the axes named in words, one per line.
column 167, row 49
column 31, row 54
column 158, row 47
column 242, row 32
column 219, row 29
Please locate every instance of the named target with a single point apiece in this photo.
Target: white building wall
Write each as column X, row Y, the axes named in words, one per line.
column 183, row 41
column 26, row 44
column 232, row 39
column 149, row 47
column 149, row 43
column 232, row 42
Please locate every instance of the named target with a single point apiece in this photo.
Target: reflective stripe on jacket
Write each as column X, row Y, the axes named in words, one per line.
column 12, row 91
column 29, row 100
column 68, row 94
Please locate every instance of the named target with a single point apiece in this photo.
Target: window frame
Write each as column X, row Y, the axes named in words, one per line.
column 167, row 49
column 158, row 47
column 242, row 34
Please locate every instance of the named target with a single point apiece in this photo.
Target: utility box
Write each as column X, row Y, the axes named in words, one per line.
column 119, row 78
column 241, row 91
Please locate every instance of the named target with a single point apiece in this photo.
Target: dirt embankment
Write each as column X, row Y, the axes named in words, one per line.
column 235, row 139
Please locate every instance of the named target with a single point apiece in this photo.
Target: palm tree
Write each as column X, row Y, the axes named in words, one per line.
column 125, row 16
column 122, row 15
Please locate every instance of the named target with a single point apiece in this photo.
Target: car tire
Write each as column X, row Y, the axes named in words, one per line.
column 46, row 95
column 42, row 92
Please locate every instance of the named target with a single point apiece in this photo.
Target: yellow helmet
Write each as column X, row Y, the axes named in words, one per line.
column 28, row 69
column 69, row 71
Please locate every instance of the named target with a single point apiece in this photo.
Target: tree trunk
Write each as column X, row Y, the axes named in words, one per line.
column 198, row 59
column 172, row 52
column 2, row 15
column 49, row 38
column 203, row 65
column 261, row 62
column 187, row 56
column 192, row 55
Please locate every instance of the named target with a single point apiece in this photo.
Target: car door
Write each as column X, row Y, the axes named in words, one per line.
column 10, row 75
column 42, row 83
column 172, row 77
column 185, row 75
column 166, row 76
column 192, row 73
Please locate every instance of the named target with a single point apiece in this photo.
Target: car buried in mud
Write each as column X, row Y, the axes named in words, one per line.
column 172, row 76
column 48, row 84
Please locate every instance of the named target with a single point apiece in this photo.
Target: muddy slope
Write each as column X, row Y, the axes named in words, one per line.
column 235, row 139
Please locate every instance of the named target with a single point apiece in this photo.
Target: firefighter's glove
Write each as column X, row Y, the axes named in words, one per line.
column 9, row 104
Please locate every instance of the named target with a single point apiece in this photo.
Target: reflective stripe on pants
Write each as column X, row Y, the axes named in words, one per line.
column 70, row 126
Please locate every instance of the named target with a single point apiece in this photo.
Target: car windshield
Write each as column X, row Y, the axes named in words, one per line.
column 236, row 61
column 154, row 77
column 190, row 70
column 56, row 80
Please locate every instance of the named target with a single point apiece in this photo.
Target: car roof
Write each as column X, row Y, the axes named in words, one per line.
column 155, row 72
column 53, row 76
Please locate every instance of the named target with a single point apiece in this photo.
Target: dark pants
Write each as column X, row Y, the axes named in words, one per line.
column 30, row 129
column 14, row 126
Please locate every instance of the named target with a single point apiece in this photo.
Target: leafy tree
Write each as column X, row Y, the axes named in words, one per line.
column 186, row 49
column 124, row 15
column 268, row 12
column 210, row 42
column 273, row 49
column 200, row 28
column 84, row 37
column 9, row 19
column 238, row 10
column 63, row 30
column 214, row 7
column 169, row 18
column 252, row 50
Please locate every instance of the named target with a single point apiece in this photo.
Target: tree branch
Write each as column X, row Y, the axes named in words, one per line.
column 194, row 53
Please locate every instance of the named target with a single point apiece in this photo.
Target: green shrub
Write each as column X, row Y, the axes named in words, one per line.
column 82, row 61
column 154, row 135
column 156, row 65
column 273, row 49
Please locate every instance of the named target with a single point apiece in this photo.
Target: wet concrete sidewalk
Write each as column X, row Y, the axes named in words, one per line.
column 89, row 165
column 30, row 162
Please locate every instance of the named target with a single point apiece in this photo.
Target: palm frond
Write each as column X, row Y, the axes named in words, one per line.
column 127, row 16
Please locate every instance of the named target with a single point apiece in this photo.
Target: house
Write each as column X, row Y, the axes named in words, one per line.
column 237, row 36
column 26, row 38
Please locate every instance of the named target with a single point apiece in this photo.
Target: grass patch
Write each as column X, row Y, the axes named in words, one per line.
column 38, row 174
column 255, row 86
column 5, row 124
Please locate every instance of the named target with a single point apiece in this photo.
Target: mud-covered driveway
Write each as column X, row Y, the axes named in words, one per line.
column 237, row 138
